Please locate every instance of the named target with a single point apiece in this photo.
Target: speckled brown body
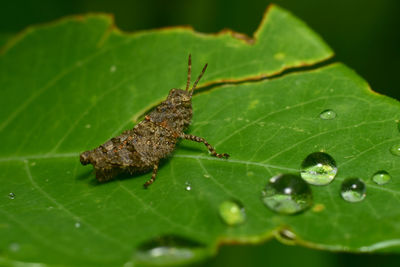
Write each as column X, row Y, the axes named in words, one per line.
column 140, row 149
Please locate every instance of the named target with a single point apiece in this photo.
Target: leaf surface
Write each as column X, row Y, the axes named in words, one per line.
column 69, row 86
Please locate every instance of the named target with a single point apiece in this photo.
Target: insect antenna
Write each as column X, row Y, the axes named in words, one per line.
column 189, row 72
column 198, row 79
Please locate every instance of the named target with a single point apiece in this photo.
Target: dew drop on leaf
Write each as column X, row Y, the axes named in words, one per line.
column 168, row 250
column 188, row 186
column 286, row 236
column 353, row 190
column 11, row 195
column 381, row 177
column 232, row 213
column 77, row 225
column 327, row 114
column 287, row 194
column 14, row 247
column 395, row 150
column 318, row 169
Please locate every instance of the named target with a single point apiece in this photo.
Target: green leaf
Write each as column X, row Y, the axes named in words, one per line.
column 69, row 86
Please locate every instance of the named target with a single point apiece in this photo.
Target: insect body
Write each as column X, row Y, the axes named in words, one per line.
column 141, row 148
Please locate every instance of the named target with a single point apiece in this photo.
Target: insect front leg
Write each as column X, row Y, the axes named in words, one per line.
column 153, row 176
column 202, row 140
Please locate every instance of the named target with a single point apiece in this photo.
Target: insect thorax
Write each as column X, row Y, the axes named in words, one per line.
column 175, row 112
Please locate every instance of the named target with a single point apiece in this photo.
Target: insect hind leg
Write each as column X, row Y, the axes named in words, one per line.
column 153, row 176
column 202, row 140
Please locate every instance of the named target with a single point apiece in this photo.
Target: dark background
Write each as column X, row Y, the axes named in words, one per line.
column 364, row 34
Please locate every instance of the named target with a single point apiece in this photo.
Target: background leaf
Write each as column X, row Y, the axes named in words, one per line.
column 84, row 82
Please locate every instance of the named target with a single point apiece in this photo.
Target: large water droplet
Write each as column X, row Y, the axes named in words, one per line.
column 287, row 194
column 318, row 169
column 232, row 213
column 327, row 114
column 353, row 190
column 169, row 250
column 381, row 177
column 395, row 150
column 11, row 195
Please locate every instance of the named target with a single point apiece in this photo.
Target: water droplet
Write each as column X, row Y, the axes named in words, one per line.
column 11, row 195
column 250, row 173
column 287, row 194
column 33, row 164
column 232, row 213
column 318, row 169
column 14, row 247
column 188, row 186
column 168, row 250
column 286, row 236
column 395, row 150
column 239, row 118
column 327, row 114
column 206, row 176
column 353, row 190
column 113, row 68
column 77, row 225
column 88, row 126
column 381, row 177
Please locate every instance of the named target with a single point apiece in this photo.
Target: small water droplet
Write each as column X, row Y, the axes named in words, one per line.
column 353, row 190
column 33, row 164
column 206, row 175
column 88, row 126
column 381, row 177
column 318, row 169
column 395, row 150
column 261, row 124
column 11, row 195
column 247, row 120
column 14, row 247
column 168, row 250
column 77, row 225
column 327, row 114
column 286, row 236
column 250, row 173
column 239, row 118
column 232, row 213
column 113, row 68
column 188, row 186
column 287, row 194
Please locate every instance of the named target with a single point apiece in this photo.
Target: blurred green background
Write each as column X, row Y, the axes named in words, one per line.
column 364, row 34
